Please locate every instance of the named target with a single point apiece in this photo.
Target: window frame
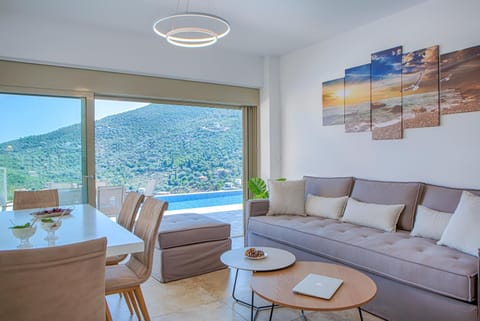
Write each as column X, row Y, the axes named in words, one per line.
column 48, row 80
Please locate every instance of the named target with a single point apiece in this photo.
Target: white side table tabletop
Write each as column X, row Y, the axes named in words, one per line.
column 275, row 259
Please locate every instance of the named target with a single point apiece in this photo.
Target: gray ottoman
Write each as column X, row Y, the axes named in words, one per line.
column 189, row 245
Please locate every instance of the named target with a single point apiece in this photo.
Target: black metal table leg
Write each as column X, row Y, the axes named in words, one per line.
column 302, row 315
column 264, row 307
column 251, row 306
column 360, row 312
column 271, row 312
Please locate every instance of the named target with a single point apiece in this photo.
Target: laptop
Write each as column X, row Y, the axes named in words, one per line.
column 319, row 286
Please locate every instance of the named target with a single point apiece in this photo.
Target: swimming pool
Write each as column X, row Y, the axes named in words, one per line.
column 206, row 199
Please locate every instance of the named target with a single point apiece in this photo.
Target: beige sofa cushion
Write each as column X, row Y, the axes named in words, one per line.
column 430, row 223
column 380, row 192
column 462, row 232
column 383, row 217
column 286, row 197
column 328, row 207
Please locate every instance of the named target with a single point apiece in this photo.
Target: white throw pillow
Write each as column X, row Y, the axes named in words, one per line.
column 286, row 197
column 462, row 231
column 430, row 223
column 380, row 216
column 329, row 207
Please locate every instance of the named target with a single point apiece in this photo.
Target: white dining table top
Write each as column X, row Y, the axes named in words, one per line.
column 84, row 223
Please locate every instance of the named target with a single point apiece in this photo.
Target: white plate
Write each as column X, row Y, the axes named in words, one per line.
column 257, row 257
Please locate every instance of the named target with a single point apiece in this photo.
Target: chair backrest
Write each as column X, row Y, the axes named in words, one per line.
column 150, row 188
column 35, row 199
column 146, row 228
column 55, row 283
column 129, row 210
column 110, row 199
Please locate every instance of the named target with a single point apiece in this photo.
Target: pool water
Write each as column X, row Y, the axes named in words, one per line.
column 207, row 199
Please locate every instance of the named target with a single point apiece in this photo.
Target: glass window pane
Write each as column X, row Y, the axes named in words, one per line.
column 41, row 146
column 193, row 153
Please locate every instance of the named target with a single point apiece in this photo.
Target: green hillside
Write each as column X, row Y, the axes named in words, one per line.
column 185, row 149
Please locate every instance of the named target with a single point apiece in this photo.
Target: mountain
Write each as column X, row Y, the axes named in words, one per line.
column 185, row 149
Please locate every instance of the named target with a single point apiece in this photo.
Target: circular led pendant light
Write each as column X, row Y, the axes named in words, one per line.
column 192, row 29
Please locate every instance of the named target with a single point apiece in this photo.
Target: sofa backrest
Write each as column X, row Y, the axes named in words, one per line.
column 383, row 192
column 442, row 198
column 328, row 186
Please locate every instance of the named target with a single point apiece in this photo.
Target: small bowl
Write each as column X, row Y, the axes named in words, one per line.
column 24, row 234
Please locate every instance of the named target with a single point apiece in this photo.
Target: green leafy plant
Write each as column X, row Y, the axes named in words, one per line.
column 258, row 187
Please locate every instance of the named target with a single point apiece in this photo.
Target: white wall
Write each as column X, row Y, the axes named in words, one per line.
column 270, row 120
column 446, row 155
column 65, row 43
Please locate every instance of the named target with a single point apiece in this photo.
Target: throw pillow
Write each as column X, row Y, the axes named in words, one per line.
column 328, row 207
column 380, row 216
column 462, row 232
column 430, row 223
column 286, row 197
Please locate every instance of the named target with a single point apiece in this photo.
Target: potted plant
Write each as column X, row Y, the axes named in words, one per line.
column 258, row 187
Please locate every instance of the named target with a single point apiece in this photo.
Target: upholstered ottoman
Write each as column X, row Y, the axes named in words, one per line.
column 189, row 245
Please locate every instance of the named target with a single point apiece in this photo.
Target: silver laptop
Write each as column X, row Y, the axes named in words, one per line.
column 318, row 286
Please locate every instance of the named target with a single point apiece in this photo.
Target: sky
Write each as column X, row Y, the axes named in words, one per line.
column 25, row 115
column 333, row 93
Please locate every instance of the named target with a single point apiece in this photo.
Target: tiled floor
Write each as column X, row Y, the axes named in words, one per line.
column 208, row 297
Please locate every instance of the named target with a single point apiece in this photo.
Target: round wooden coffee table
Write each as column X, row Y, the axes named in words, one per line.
column 276, row 286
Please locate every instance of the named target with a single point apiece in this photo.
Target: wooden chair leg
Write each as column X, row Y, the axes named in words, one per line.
column 132, row 299
column 141, row 301
column 108, row 316
column 127, row 300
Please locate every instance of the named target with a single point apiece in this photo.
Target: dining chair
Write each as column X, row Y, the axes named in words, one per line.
column 35, row 199
column 126, row 278
column 110, row 199
column 54, row 283
column 126, row 218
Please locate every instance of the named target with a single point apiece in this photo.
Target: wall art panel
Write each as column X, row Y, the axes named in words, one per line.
column 460, row 81
column 333, row 102
column 420, row 88
column 357, row 99
column 386, row 91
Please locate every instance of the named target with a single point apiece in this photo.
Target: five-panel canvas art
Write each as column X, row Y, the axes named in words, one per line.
column 398, row 90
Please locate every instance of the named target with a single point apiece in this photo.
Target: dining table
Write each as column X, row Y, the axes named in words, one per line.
column 83, row 223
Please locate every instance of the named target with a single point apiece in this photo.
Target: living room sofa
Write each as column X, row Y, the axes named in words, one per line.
column 416, row 278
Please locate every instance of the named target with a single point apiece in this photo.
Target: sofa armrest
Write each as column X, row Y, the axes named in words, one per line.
column 256, row 207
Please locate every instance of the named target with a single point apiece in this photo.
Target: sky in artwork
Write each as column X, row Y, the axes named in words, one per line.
column 357, row 85
column 386, row 73
column 333, row 93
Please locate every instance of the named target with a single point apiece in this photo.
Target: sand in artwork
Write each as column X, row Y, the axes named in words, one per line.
column 386, row 88
column 333, row 102
column 357, row 99
column 460, row 81
column 420, row 88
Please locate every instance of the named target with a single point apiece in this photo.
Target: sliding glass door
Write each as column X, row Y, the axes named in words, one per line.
column 42, row 146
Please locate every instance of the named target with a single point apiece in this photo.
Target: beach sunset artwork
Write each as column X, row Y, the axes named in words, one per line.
column 386, row 91
column 420, row 88
column 460, row 81
column 357, row 99
column 333, row 102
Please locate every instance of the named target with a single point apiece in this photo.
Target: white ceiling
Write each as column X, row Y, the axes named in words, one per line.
column 259, row 27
